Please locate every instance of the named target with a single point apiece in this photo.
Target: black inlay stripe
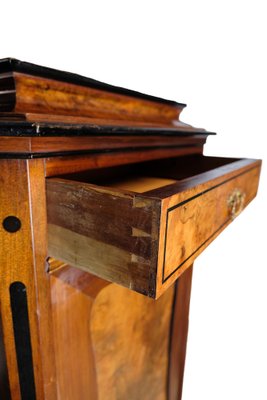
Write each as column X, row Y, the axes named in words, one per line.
column 164, row 279
column 41, row 129
column 211, row 188
column 20, row 317
column 194, row 252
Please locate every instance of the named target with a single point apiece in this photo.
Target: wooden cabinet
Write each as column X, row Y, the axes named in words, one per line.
column 106, row 200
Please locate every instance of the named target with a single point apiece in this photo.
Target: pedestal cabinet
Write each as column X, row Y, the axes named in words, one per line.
column 106, row 200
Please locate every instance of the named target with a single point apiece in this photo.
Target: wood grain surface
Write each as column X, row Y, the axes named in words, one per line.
column 75, row 363
column 130, row 335
column 100, row 143
column 105, row 185
column 194, row 220
column 140, row 236
column 48, row 96
column 69, row 164
column 194, row 217
column 34, row 93
column 8, row 66
column 118, row 341
column 178, row 335
column 106, row 228
column 23, row 254
column 4, row 382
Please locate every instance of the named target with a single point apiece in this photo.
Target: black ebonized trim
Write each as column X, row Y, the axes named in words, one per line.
column 21, row 326
column 29, row 129
column 164, row 279
column 11, row 65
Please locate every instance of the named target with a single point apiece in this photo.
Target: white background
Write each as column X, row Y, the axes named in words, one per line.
column 212, row 56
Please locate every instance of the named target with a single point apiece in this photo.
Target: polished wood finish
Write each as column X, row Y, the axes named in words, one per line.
column 71, row 309
column 11, row 66
column 4, row 384
column 28, row 89
column 133, row 347
column 46, row 118
column 113, row 338
column 91, row 144
column 62, row 165
column 42, row 95
column 23, row 255
column 178, row 337
column 147, row 217
column 197, row 214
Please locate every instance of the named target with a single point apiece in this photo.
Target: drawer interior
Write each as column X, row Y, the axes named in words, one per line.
column 147, row 176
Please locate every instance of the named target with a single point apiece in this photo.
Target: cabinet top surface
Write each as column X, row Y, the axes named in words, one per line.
column 44, row 111
column 40, row 101
column 8, row 65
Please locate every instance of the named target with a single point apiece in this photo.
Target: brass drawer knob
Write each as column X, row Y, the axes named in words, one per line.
column 236, row 202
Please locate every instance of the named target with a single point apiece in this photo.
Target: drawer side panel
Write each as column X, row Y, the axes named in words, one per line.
column 111, row 234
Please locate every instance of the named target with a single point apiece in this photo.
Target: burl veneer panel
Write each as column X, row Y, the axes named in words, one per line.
column 110, row 343
column 130, row 336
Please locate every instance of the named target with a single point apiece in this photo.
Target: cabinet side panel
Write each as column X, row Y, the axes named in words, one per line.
column 130, row 338
column 71, row 307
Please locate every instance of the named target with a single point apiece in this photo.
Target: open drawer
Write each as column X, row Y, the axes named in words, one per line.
column 142, row 225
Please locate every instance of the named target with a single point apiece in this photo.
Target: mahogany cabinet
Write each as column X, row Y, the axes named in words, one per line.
column 106, row 200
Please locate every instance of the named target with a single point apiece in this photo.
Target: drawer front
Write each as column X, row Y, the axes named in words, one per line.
column 145, row 240
column 190, row 224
